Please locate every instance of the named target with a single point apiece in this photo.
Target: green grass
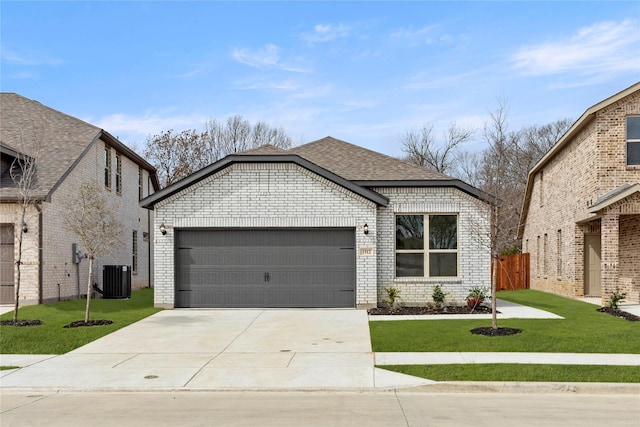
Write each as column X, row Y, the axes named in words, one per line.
column 521, row 372
column 52, row 338
column 584, row 330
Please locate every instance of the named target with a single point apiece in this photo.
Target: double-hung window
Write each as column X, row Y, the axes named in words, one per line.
column 633, row 140
column 426, row 245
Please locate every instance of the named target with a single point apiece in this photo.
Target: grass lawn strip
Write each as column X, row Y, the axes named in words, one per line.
column 583, row 330
column 52, row 338
column 522, row 372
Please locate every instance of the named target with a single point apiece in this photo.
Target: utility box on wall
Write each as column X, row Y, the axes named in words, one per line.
column 116, row 281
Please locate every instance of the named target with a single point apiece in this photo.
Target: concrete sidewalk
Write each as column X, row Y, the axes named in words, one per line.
column 254, row 350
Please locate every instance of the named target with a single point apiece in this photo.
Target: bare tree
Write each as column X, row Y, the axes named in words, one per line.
column 177, row 155
column 423, row 149
column 93, row 219
column 23, row 175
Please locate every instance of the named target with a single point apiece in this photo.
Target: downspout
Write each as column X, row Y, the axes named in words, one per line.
column 40, row 262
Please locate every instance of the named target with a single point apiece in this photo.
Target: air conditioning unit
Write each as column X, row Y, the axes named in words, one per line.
column 116, row 281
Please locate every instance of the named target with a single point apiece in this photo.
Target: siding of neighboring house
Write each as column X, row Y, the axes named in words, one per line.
column 68, row 152
column 10, row 214
column 591, row 164
column 264, row 195
column 474, row 256
column 60, row 278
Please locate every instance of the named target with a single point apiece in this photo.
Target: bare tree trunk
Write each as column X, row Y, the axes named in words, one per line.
column 18, row 274
column 86, row 312
column 19, row 264
column 494, row 315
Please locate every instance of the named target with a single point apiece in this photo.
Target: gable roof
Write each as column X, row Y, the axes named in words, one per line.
column 354, row 168
column 58, row 139
column 166, row 192
column 614, row 196
column 583, row 121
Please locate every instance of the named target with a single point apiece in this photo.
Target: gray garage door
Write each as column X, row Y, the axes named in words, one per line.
column 265, row 268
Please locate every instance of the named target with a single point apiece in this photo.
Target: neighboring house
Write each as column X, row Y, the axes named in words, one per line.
column 581, row 214
column 326, row 224
column 68, row 153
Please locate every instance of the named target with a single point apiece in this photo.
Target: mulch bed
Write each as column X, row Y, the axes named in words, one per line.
column 21, row 322
column 81, row 323
column 619, row 313
column 499, row 332
column 450, row 309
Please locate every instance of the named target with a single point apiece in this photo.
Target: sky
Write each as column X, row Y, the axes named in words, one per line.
column 364, row 72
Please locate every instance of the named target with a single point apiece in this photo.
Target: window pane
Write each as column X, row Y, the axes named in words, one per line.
column 443, row 265
column 409, row 232
column 409, row 265
column 443, row 233
column 633, row 153
column 633, row 127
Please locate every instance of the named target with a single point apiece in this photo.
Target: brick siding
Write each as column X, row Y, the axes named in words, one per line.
column 590, row 165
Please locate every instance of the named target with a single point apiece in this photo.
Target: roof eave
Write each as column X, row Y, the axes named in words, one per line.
column 442, row 183
column 113, row 141
column 618, row 197
column 564, row 140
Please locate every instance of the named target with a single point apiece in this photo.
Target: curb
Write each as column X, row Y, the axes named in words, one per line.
column 440, row 387
column 526, row 388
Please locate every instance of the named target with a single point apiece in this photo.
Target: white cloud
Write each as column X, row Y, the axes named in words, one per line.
column 28, row 58
column 136, row 128
column 415, row 36
column 602, row 48
column 326, row 32
column 266, row 57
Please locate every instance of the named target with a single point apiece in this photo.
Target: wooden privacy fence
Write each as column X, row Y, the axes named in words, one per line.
column 513, row 272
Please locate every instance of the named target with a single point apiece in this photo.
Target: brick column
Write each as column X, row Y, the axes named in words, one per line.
column 610, row 225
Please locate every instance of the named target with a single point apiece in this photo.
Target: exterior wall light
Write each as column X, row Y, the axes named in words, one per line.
column 24, row 227
column 365, row 228
column 163, row 229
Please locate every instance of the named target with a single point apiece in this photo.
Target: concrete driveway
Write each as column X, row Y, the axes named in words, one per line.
column 222, row 349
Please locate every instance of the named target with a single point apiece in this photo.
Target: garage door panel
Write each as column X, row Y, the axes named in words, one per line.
column 265, row 268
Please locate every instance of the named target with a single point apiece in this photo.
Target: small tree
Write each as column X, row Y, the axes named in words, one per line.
column 92, row 218
column 23, row 174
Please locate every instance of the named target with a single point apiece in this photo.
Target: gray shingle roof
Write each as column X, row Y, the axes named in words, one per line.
column 55, row 139
column 360, row 164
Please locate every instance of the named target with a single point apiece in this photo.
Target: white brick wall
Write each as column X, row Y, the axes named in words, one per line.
column 264, row 196
column 474, row 256
column 287, row 195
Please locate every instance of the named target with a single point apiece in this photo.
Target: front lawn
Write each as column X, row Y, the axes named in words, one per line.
column 583, row 330
column 52, row 338
column 522, row 372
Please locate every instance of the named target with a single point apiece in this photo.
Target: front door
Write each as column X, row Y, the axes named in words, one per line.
column 592, row 266
column 7, row 264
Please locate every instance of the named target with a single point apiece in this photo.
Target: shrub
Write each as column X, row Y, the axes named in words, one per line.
column 393, row 295
column 615, row 298
column 438, row 296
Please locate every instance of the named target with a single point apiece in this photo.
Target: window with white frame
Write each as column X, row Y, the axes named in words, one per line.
column 430, row 254
column 633, row 140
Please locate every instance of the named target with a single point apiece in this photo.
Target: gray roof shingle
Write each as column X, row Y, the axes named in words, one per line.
column 360, row 164
column 55, row 139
